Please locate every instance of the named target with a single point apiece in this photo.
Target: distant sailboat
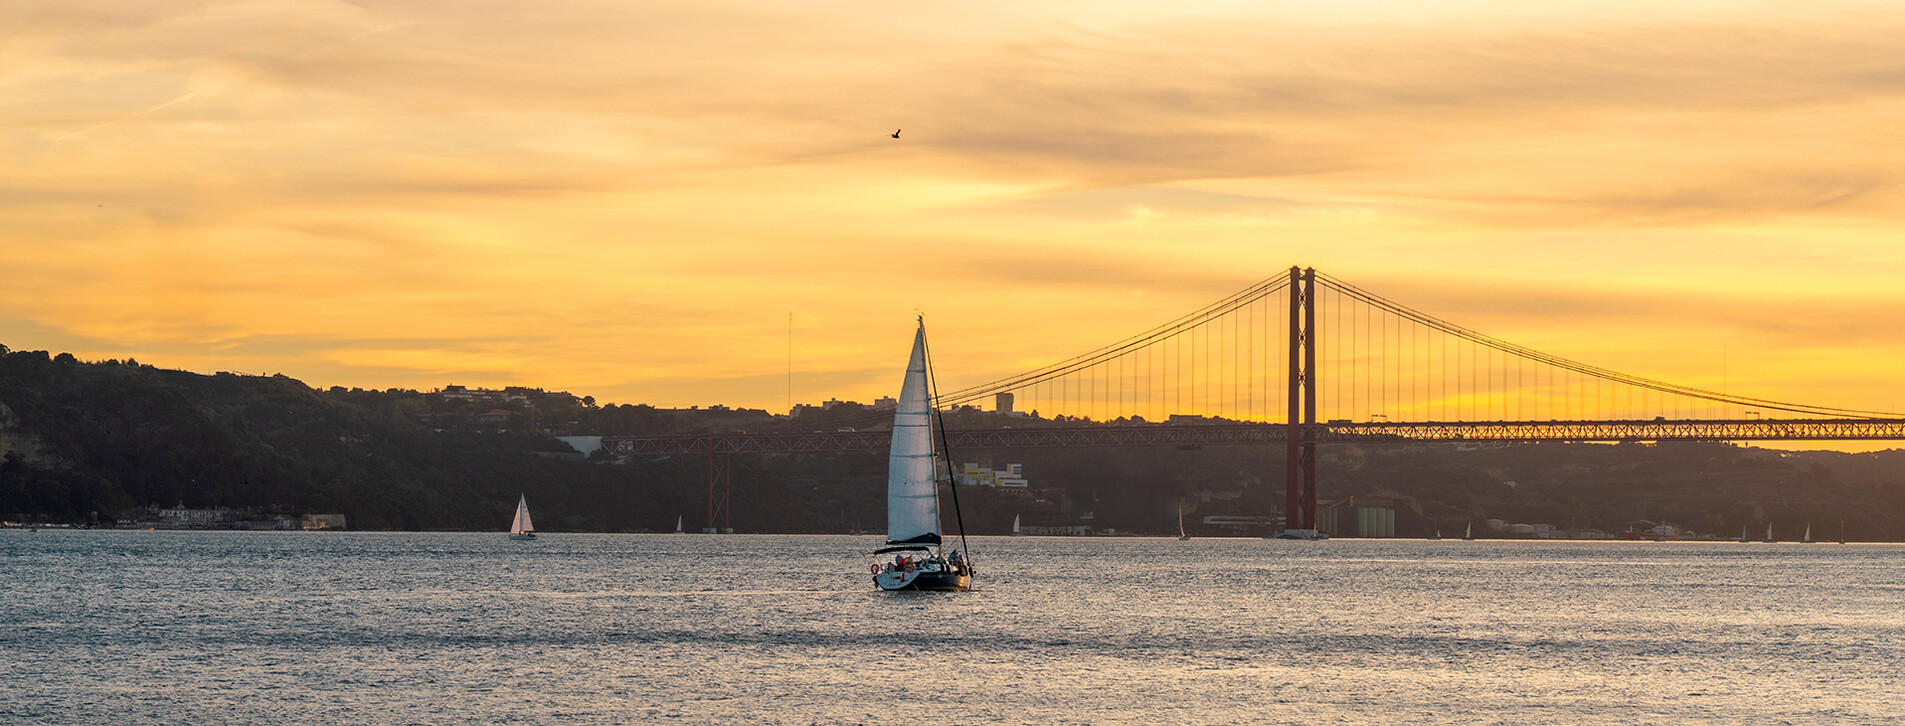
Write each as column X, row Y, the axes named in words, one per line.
column 1769, row 534
column 1181, row 536
column 1807, row 537
column 1438, row 534
column 1469, row 534
column 1015, row 527
column 678, row 529
column 521, row 527
column 1743, row 534
column 913, row 537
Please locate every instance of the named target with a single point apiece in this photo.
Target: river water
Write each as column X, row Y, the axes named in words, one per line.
column 119, row 627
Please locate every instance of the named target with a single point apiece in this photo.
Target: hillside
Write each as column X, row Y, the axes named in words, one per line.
column 86, row 438
column 83, row 442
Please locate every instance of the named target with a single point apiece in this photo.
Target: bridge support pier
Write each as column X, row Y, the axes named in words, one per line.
column 1299, row 494
column 720, row 480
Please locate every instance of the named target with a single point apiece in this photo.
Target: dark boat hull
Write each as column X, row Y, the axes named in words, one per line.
column 928, row 581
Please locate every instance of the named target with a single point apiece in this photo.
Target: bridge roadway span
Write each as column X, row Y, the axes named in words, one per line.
column 1257, row 433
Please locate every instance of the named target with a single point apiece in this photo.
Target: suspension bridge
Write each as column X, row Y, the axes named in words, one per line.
column 1256, row 368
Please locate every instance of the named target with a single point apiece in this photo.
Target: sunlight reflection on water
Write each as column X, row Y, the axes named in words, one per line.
column 235, row 627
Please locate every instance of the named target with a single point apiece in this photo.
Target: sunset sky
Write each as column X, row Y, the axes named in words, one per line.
column 629, row 200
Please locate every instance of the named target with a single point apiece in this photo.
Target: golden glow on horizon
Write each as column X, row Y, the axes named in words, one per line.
column 626, row 200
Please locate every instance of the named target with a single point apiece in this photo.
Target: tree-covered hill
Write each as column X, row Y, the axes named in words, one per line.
column 85, row 438
column 81, row 438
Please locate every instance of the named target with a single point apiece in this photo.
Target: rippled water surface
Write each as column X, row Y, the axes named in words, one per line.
column 237, row 627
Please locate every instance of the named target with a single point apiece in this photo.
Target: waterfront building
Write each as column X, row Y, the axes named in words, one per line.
column 1010, row 478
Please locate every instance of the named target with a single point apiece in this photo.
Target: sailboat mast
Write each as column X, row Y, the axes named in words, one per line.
column 953, row 484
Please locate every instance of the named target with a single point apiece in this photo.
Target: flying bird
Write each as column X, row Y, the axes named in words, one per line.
column 896, row 133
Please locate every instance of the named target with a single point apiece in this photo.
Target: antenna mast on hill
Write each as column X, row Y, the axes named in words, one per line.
column 790, row 362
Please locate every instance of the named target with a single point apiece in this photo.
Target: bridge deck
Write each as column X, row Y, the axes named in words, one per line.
column 1255, row 433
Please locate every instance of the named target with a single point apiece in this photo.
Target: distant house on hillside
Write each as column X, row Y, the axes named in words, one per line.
column 321, row 521
column 512, row 393
column 181, row 517
column 1011, row 477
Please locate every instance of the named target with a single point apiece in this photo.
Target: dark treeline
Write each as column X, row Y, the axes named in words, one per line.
column 96, row 439
column 107, row 437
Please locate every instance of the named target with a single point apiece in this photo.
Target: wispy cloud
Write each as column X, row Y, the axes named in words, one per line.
column 635, row 194
column 125, row 118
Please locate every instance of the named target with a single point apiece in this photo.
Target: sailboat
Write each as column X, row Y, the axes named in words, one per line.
column 1438, row 534
column 521, row 527
column 1181, row 536
column 1743, row 534
column 1015, row 527
column 678, row 529
column 1807, row 538
column 1769, row 534
column 1469, row 535
column 918, row 556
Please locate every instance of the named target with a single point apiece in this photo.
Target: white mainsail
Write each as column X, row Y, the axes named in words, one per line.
column 912, row 504
column 522, row 525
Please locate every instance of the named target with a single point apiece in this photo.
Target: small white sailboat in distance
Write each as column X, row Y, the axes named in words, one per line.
column 1469, row 535
column 1769, row 534
column 678, row 524
column 1015, row 527
column 1181, row 536
column 1807, row 539
column 521, row 527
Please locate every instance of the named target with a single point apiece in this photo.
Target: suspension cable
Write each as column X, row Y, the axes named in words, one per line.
column 1584, row 369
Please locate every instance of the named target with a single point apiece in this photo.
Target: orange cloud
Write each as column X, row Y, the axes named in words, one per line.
column 628, row 200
